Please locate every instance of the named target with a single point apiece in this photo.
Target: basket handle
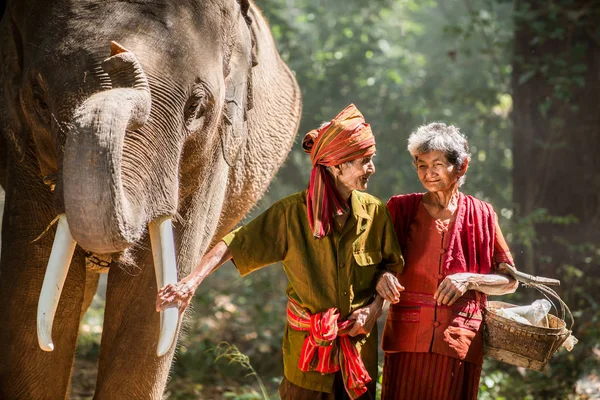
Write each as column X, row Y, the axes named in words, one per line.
column 529, row 279
column 540, row 283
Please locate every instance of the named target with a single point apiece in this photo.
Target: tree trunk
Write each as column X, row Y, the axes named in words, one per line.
column 556, row 135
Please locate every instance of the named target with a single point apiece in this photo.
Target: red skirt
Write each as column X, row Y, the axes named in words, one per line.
column 424, row 376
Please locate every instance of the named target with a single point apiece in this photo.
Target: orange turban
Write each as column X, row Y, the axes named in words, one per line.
column 345, row 138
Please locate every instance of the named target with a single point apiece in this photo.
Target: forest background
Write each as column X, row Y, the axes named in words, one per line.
column 520, row 78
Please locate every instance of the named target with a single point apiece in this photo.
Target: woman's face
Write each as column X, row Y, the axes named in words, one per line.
column 435, row 172
column 354, row 175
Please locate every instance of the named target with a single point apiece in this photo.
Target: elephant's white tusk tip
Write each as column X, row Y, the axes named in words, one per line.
column 168, row 330
column 162, row 350
column 46, row 346
column 164, row 346
column 44, row 336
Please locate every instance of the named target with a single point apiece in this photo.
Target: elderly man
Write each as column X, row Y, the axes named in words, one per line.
column 336, row 245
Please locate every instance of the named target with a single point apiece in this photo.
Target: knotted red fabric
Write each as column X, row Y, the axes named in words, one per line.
column 345, row 138
column 321, row 349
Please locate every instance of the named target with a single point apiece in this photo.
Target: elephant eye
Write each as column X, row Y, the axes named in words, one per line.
column 195, row 108
column 41, row 106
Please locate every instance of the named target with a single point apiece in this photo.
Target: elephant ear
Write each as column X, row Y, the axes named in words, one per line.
column 274, row 118
column 271, row 124
column 238, row 93
column 3, row 154
column 10, row 82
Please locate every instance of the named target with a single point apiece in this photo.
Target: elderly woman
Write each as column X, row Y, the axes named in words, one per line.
column 336, row 243
column 455, row 254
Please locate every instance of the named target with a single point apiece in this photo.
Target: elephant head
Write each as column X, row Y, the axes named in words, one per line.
column 122, row 116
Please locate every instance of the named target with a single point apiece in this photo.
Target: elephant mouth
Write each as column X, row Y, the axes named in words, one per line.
column 99, row 263
column 165, row 265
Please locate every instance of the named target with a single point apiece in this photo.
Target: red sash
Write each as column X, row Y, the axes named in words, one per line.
column 321, row 349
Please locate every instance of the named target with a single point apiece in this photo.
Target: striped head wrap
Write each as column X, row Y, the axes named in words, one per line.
column 345, row 138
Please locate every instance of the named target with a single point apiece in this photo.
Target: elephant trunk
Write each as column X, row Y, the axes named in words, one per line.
column 103, row 216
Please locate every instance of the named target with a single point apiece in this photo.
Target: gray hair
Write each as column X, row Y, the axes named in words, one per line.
column 438, row 136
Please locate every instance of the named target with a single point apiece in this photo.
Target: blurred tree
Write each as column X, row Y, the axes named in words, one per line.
column 557, row 128
column 556, row 177
column 403, row 63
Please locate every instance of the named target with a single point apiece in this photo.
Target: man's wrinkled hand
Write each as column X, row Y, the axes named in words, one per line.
column 364, row 319
column 389, row 288
column 175, row 295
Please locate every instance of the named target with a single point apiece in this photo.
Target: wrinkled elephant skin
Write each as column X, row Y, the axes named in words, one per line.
column 145, row 129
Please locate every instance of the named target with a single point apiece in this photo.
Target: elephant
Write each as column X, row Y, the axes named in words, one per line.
column 134, row 135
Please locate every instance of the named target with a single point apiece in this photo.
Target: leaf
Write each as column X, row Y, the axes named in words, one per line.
column 526, row 76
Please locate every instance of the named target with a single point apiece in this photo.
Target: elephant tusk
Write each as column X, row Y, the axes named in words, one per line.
column 54, row 280
column 165, row 266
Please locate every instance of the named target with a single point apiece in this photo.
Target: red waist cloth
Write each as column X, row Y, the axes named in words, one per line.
column 418, row 324
column 321, row 349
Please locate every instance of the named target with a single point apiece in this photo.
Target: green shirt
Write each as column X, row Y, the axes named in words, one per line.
column 339, row 270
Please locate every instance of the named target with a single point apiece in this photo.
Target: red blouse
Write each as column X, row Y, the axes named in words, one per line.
column 417, row 323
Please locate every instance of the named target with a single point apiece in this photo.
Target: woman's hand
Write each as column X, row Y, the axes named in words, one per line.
column 179, row 295
column 452, row 288
column 389, row 288
column 365, row 317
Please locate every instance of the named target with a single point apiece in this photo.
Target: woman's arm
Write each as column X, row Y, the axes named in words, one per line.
column 454, row 286
column 180, row 294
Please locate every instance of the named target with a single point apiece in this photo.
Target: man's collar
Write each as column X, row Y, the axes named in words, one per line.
column 358, row 209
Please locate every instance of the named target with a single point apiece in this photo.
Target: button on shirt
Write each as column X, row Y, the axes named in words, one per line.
column 338, row 271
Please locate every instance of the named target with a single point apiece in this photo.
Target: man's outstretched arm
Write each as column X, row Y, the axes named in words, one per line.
column 181, row 293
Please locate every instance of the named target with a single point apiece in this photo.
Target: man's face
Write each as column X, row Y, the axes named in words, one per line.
column 354, row 175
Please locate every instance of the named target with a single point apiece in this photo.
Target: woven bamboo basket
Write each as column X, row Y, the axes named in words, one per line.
column 520, row 344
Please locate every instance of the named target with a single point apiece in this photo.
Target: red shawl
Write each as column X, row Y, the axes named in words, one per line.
column 471, row 247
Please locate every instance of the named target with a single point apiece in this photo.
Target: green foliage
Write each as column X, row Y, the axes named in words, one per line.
column 248, row 312
column 230, row 352
column 90, row 329
column 523, row 230
column 554, row 24
column 403, row 63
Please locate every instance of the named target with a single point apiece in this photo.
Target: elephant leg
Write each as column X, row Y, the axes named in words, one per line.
column 128, row 366
column 27, row 372
column 91, row 286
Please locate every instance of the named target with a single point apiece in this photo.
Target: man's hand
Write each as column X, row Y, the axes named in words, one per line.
column 452, row 288
column 364, row 318
column 179, row 295
column 389, row 288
